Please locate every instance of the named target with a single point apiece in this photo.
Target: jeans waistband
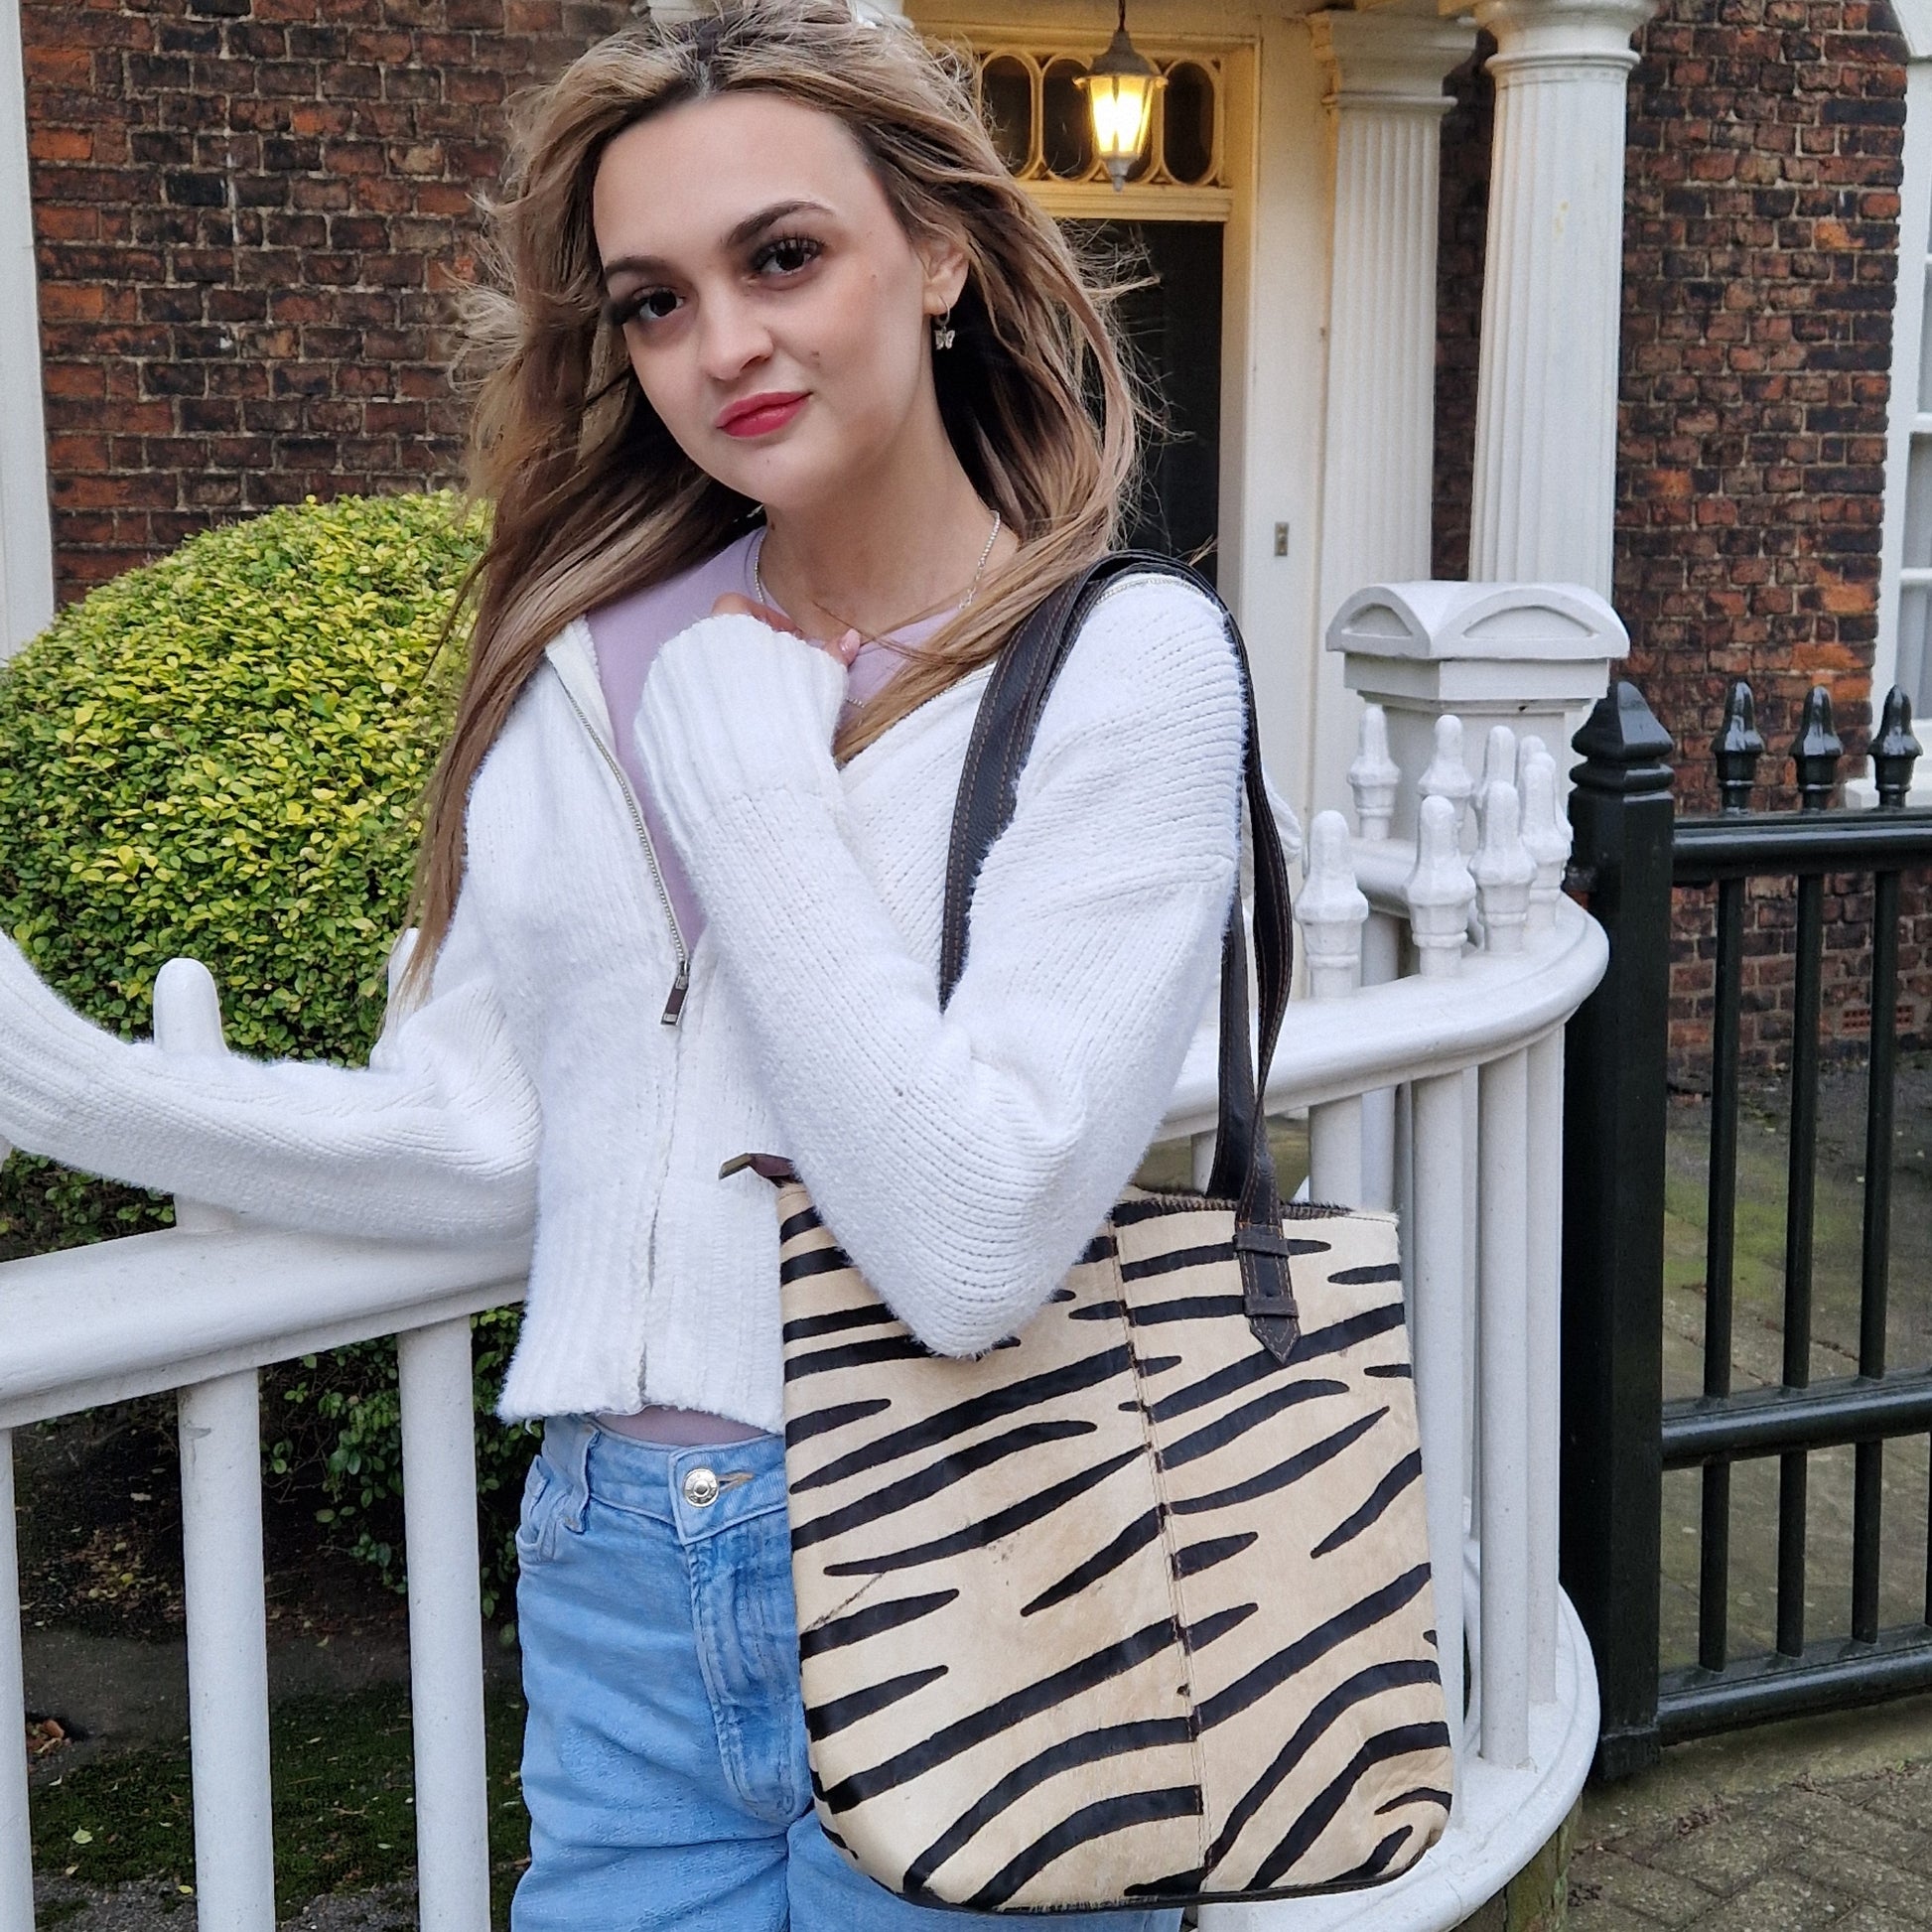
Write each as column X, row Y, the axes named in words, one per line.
column 697, row 1491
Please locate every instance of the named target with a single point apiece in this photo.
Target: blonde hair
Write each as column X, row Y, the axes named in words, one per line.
column 593, row 499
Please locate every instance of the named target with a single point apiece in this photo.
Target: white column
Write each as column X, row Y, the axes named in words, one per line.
column 1386, row 104
column 1551, row 291
column 26, row 534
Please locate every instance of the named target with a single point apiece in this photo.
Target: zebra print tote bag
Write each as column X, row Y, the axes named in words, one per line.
column 1135, row 1607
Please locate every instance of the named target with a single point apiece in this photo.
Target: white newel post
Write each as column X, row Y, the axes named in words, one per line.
column 1533, row 656
column 1386, row 104
column 26, row 539
column 1552, row 290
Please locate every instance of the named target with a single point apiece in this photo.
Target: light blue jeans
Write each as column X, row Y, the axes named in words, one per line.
column 664, row 1758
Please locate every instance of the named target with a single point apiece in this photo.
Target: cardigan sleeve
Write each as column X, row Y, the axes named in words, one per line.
column 965, row 1156
column 436, row 1139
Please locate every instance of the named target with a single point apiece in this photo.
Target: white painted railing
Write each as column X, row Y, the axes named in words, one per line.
column 1435, row 1087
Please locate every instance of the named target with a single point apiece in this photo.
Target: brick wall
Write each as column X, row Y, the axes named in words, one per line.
column 1760, row 252
column 248, row 216
column 1464, row 207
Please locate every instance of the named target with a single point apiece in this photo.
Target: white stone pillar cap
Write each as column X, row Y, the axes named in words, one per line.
column 1478, row 647
column 1440, row 618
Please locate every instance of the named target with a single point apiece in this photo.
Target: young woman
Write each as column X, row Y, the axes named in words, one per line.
column 784, row 421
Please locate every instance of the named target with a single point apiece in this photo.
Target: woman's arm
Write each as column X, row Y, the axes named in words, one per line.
column 436, row 1139
column 966, row 1157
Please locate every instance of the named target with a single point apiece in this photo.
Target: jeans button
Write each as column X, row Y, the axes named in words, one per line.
column 701, row 1487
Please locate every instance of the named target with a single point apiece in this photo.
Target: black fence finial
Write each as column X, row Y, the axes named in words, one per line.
column 1816, row 752
column 1737, row 747
column 1894, row 750
column 1624, row 749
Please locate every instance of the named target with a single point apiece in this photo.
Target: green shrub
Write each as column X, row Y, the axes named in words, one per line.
column 222, row 754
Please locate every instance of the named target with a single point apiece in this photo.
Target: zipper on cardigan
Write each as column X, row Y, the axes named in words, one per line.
column 681, row 985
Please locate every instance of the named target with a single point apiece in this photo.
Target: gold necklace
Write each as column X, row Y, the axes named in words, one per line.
column 979, row 570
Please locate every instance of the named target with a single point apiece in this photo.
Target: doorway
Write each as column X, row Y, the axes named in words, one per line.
column 1174, row 332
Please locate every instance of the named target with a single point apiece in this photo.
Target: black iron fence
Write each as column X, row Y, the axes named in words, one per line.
column 1620, row 1435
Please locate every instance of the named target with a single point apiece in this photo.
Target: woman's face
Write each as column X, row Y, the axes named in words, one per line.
column 774, row 308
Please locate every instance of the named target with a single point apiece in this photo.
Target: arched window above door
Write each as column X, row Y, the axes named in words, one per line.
column 1036, row 112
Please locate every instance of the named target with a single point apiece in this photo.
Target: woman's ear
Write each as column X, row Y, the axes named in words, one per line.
column 946, row 267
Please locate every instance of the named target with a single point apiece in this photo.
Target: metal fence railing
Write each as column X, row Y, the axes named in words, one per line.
column 1623, row 1435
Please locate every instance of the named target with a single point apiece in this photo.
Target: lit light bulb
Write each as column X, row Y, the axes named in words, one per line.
column 1122, row 86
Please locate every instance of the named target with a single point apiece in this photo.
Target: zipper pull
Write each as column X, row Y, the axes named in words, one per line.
column 680, row 985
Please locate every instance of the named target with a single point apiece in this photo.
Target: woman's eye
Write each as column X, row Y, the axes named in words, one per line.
column 787, row 254
column 644, row 305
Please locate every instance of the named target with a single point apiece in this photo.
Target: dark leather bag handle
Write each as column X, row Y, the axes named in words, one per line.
column 1003, row 733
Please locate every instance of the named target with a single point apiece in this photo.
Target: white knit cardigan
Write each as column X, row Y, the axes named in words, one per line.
column 962, row 1156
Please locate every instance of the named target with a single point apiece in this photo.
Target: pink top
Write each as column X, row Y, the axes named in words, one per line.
column 627, row 635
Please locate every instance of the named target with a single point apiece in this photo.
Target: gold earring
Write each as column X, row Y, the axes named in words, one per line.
column 942, row 330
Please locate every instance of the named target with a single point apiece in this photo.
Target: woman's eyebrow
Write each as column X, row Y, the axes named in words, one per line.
column 745, row 230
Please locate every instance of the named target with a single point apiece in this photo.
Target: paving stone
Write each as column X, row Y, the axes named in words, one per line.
column 1599, row 1915
column 1778, row 1902
column 1823, row 1817
column 1905, row 1796
column 1869, row 1918
column 1907, row 1892
column 1721, row 1855
column 1664, row 1897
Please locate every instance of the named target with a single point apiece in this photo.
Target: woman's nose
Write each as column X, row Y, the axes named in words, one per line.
column 731, row 338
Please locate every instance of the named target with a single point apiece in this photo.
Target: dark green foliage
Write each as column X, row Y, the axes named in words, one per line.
column 223, row 756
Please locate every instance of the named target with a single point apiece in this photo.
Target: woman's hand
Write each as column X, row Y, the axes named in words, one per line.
column 730, row 604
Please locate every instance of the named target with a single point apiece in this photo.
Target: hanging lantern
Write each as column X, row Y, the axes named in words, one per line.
column 1121, row 89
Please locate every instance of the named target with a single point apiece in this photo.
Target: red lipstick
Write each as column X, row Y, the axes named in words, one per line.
column 760, row 415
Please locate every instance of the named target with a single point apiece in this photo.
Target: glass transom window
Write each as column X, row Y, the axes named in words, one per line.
column 1037, row 114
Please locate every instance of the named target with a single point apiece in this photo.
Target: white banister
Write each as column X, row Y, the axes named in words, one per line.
column 1374, row 775
column 15, row 1836
column 1447, row 773
column 1440, row 890
column 1373, row 778
column 1470, row 1042
column 1436, row 1244
column 1503, row 870
column 1545, row 834
column 187, row 1021
column 1542, row 1187
column 1504, row 1411
column 227, row 1654
column 438, row 1392
column 219, row 1422
column 1332, row 911
column 1200, row 1159
column 1498, row 764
